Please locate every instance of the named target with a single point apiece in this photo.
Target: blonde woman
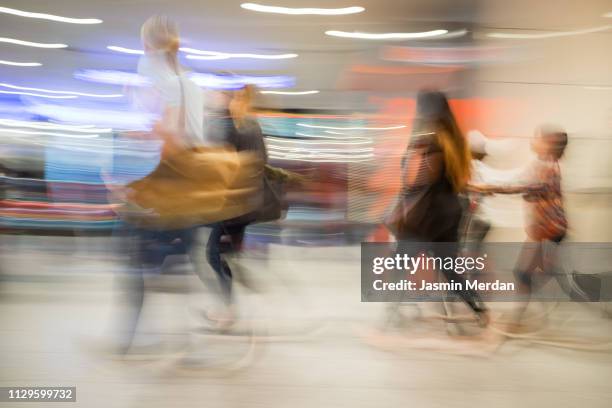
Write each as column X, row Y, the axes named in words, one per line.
column 176, row 99
column 178, row 102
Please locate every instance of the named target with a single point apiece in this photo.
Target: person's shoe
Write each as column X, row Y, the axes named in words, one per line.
column 483, row 317
column 518, row 328
column 222, row 319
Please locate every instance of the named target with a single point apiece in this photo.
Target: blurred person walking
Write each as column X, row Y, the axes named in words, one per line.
column 243, row 133
column 192, row 184
column 436, row 170
column 179, row 103
column 546, row 223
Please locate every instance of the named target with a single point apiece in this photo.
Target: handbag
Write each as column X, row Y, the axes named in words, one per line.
column 405, row 218
column 273, row 205
column 193, row 186
column 429, row 213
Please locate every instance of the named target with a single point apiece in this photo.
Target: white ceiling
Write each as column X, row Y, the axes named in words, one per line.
column 222, row 25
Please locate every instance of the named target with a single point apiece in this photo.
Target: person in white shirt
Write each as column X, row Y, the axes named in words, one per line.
column 171, row 93
column 178, row 103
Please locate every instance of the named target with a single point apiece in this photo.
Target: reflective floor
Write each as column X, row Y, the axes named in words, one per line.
column 304, row 340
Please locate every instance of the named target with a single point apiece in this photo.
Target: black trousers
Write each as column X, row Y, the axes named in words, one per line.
column 146, row 251
column 224, row 239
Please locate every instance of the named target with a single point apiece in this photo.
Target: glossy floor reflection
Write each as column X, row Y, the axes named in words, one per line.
column 307, row 342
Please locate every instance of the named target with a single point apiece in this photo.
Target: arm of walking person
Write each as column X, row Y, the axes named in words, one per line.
column 284, row 176
column 531, row 182
column 527, row 190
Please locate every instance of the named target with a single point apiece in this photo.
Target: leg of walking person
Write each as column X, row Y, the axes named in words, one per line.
column 132, row 287
column 469, row 296
column 551, row 264
column 232, row 251
column 213, row 255
column 444, row 249
column 225, row 239
column 147, row 250
column 529, row 262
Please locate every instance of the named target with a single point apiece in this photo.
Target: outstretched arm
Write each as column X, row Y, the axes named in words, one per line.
column 524, row 189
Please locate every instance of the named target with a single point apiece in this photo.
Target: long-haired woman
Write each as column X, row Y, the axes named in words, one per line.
column 436, row 170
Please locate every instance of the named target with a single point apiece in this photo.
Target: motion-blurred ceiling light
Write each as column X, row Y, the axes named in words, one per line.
column 112, row 77
column 335, row 140
column 252, row 56
column 50, row 126
column 207, row 80
column 25, row 88
column 202, row 54
column 386, row 36
column 20, row 64
column 322, row 158
column 30, row 43
column 351, row 128
column 125, row 50
column 452, row 34
column 208, row 57
column 51, row 17
column 342, row 152
column 519, row 36
column 118, row 119
column 213, row 81
column 36, row 133
column 290, row 92
column 76, row 126
column 301, row 11
column 345, row 136
column 39, row 95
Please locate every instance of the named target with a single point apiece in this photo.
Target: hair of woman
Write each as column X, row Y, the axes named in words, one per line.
column 434, row 113
column 160, row 34
column 242, row 103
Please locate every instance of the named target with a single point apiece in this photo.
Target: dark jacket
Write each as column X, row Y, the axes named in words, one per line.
column 248, row 138
column 429, row 209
